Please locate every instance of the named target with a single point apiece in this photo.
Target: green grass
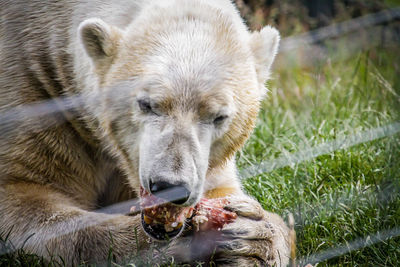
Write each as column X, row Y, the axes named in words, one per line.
column 350, row 193
column 338, row 197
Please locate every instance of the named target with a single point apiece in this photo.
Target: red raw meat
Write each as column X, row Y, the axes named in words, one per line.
column 208, row 214
column 211, row 215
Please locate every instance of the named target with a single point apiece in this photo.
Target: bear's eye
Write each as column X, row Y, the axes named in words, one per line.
column 145, row 106
column 220, row 119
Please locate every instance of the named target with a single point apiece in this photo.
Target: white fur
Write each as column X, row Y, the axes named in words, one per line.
column 201, row 71
column 201, row 50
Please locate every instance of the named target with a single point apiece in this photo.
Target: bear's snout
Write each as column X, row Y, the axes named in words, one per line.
column 177, row 194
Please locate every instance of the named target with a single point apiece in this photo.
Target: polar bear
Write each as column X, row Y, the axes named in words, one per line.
column 147, row 96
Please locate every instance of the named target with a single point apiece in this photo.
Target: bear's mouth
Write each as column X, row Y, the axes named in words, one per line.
column 161, row 219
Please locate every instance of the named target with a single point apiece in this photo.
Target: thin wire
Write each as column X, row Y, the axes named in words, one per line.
column 385, row 196
column 13, row 116
column 356, row 244
column 339, row 29
column 323, row 149
column 130, row 207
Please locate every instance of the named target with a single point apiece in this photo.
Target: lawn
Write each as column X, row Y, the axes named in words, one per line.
column 345, row 195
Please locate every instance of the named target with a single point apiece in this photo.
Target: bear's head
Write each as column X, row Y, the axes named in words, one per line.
column 180, row 90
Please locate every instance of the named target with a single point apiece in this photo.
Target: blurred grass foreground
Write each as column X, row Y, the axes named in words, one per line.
column 346, row 202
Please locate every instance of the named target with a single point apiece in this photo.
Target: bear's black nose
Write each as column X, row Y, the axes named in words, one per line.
column 176, row 194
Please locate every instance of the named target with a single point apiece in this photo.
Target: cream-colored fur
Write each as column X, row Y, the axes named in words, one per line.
column 201, row 75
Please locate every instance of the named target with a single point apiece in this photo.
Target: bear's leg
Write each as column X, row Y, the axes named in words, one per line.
column 256, row 237
column 49, row 223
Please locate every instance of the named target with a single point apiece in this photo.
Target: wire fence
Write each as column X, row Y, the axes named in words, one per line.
column 264, row 167
column 14, row 116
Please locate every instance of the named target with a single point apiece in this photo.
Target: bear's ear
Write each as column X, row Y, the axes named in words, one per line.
column 99, row 39
column 264, row 45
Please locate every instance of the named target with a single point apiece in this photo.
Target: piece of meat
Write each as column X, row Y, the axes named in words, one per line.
column 210, row 214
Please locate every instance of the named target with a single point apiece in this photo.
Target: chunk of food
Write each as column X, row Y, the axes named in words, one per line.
column 210, row 214
column 163, row 220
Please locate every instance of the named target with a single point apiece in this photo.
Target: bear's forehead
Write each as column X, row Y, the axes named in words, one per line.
column 193, row 77
column 190, row 77
column 199, row 54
